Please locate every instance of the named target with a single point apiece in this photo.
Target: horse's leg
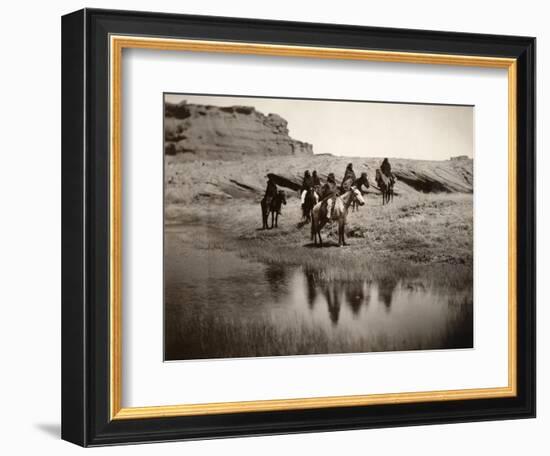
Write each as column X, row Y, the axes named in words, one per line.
column 315, row 228
column 343, row 227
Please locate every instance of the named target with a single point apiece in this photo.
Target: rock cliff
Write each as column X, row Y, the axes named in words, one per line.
column 227, row 133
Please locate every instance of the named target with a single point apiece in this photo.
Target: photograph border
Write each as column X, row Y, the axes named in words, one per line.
column 92, row 226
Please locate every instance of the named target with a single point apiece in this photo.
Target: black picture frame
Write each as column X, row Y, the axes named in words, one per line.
column 85, row 227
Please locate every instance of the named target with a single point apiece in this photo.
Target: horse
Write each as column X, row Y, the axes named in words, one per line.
column 272, row 206
column 339, row 213
column 385, row 184
column 363, row 180
column 311, row 199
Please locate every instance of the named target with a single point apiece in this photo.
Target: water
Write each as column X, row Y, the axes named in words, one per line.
column 220, row 287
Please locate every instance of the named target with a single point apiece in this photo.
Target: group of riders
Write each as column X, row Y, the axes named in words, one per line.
column 330, row 190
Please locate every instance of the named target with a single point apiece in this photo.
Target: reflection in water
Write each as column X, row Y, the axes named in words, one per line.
column 206, row 290
column 352, row 293
column 331, row 292
column 385, row 291
column 355, row 296
column 276, row 276
column 311, row 289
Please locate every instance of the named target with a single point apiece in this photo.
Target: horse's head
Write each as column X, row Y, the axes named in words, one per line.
column 282, row 196
column 357, row 196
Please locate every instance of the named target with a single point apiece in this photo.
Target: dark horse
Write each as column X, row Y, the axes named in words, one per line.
column 363, row 181
column 385, row 184
column 272, row 206
column 311, row 199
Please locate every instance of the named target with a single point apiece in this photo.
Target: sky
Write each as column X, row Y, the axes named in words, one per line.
column 366, row 129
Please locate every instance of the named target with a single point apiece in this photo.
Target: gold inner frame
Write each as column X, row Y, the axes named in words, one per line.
column 117, row 44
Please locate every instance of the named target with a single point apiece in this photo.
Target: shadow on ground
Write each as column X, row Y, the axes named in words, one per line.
column 51, row 429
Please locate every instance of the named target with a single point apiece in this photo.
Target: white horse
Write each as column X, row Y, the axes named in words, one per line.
column 339, row 213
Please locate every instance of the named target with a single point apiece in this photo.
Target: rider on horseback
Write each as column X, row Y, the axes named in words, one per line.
column 349, row 178
column 316, row 180
column 385, row 167
column 271, row 190
column 307, row 183
column 329, row 192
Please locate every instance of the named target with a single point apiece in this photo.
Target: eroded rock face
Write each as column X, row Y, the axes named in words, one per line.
column 189, row 181
column 227, row 133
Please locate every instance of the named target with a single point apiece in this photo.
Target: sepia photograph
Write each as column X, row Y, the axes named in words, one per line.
column 313, row 227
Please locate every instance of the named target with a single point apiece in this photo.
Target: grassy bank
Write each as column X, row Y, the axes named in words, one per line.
column 418, row 235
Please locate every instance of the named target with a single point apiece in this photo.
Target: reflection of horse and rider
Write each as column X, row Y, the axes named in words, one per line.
column 322, row 203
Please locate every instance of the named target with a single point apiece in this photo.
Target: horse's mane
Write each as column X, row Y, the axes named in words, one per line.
column 347, row 193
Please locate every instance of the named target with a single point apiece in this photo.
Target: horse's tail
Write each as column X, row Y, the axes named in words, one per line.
column 312, row 225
